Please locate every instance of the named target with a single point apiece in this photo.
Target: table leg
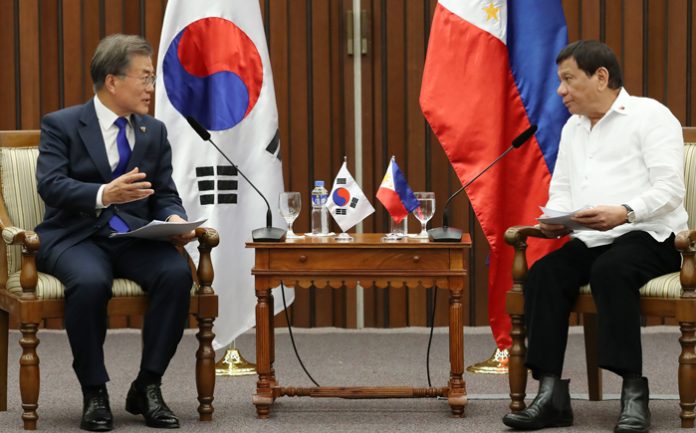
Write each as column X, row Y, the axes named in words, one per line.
column 271, row 326
column 457, row 389
column 263, row 399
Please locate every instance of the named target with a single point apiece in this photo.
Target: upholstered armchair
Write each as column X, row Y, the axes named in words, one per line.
column 672, row 296
column 32, row 296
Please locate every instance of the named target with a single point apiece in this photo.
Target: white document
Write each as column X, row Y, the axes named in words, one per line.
column 552, row 216
column 160, row 230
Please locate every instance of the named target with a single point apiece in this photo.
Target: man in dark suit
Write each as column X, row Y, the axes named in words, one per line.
column 105, row 167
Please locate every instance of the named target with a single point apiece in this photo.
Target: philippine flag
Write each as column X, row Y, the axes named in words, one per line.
column 395, row 194
column 214, row 65
column 489, row 73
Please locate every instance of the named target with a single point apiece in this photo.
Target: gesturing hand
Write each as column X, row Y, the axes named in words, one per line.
column 127, row 188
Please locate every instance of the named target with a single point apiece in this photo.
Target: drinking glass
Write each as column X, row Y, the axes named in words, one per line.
column 290, row 204
column 425, row 211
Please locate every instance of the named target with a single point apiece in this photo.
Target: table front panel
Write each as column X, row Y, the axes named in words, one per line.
column 370, row 259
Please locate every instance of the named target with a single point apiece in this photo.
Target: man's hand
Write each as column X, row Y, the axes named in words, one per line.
column 127, row 188
column 184, row 238
column 601, row 217
column 554, row 230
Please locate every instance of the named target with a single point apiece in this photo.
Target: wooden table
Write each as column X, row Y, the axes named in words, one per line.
column 325, row 262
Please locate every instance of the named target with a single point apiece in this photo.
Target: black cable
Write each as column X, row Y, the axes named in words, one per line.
column 297, row 354
column 430, row 339
column 292, row 338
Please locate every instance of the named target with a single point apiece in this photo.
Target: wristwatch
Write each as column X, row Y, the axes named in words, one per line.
column 630, row 215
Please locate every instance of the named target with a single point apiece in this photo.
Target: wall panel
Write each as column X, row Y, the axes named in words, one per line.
column 676, row 63
column 71, row 53
column 8, row 77
column 29, row 55
column 50, row 81
column 634, row 50
column 656, row 54
column 691, row 64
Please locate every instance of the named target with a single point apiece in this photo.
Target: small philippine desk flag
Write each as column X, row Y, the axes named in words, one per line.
column 395, row 194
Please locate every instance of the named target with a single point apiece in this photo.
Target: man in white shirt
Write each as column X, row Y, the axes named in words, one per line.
column 620, row 159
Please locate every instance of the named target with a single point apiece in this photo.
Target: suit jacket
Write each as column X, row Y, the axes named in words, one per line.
column 71, row 167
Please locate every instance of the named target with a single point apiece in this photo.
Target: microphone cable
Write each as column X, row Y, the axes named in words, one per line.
column 292, row 338
column 430, row 339
column 299, row 359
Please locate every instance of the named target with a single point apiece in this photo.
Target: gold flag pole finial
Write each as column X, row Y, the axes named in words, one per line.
column 496, row 364
column 234, row 364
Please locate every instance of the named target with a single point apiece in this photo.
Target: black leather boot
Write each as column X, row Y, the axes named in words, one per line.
column 550, row 408
column 635, row 414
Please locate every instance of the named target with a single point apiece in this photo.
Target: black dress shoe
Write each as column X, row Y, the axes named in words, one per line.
column 96, row 413
column 151, row 405
column 635, row 414
column 550, row 408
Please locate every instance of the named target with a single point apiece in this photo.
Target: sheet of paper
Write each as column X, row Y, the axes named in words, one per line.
column 160, row 230
column 553, row 216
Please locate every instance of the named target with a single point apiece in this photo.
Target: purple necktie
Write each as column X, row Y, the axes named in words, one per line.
column 124, row 153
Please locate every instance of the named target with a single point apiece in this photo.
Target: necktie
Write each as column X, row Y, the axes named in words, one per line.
column 124, row 152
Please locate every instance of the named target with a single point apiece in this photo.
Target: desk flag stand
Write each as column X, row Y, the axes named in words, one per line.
column 496, row 364
column 234, row 364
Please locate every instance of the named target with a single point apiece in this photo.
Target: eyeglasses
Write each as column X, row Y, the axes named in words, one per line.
column 147, row 80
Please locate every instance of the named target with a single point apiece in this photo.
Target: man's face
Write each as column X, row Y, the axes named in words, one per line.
column 580, row 93
column 133, row 91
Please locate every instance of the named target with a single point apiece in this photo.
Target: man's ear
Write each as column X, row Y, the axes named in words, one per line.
column 602, row 78
column 110, row 83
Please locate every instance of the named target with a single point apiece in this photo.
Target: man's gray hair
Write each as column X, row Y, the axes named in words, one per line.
column 113, row 56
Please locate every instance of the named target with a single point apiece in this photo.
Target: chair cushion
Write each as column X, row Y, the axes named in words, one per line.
column 22, row 201
column 666, row 286
column 49, row 287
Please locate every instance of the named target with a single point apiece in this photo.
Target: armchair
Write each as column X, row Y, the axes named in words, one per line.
column 33, row 296
column 672, row 295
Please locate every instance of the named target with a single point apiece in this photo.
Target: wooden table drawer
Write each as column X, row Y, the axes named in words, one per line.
column 334, row 259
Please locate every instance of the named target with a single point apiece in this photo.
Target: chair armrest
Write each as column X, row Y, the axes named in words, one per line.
column 29, row 241
column 685, row 242
column 516, row 236
column 16, row 236
column 207, row 240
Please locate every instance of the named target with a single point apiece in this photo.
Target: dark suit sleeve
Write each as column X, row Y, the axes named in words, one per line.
column 55, row 185
column 165, row 201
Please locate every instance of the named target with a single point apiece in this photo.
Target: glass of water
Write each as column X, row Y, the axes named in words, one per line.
column 290, row 204
column 425, row 211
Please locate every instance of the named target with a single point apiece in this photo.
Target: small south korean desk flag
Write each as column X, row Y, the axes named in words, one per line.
column 347, row 203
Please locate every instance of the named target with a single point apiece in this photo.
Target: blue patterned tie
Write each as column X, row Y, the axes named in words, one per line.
column 124, row 153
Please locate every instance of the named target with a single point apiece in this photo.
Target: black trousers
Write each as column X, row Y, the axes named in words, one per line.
column 87, row 270
column 615, row 272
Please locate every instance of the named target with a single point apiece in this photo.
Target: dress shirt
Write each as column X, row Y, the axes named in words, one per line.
column 109, row 132
column 634, row 155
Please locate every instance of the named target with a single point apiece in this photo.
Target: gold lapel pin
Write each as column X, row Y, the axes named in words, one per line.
column 143, row 129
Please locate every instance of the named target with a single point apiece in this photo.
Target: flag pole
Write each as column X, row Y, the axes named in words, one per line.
column 343, row 236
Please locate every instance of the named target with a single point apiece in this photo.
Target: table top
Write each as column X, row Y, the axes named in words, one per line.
column 360, row 240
